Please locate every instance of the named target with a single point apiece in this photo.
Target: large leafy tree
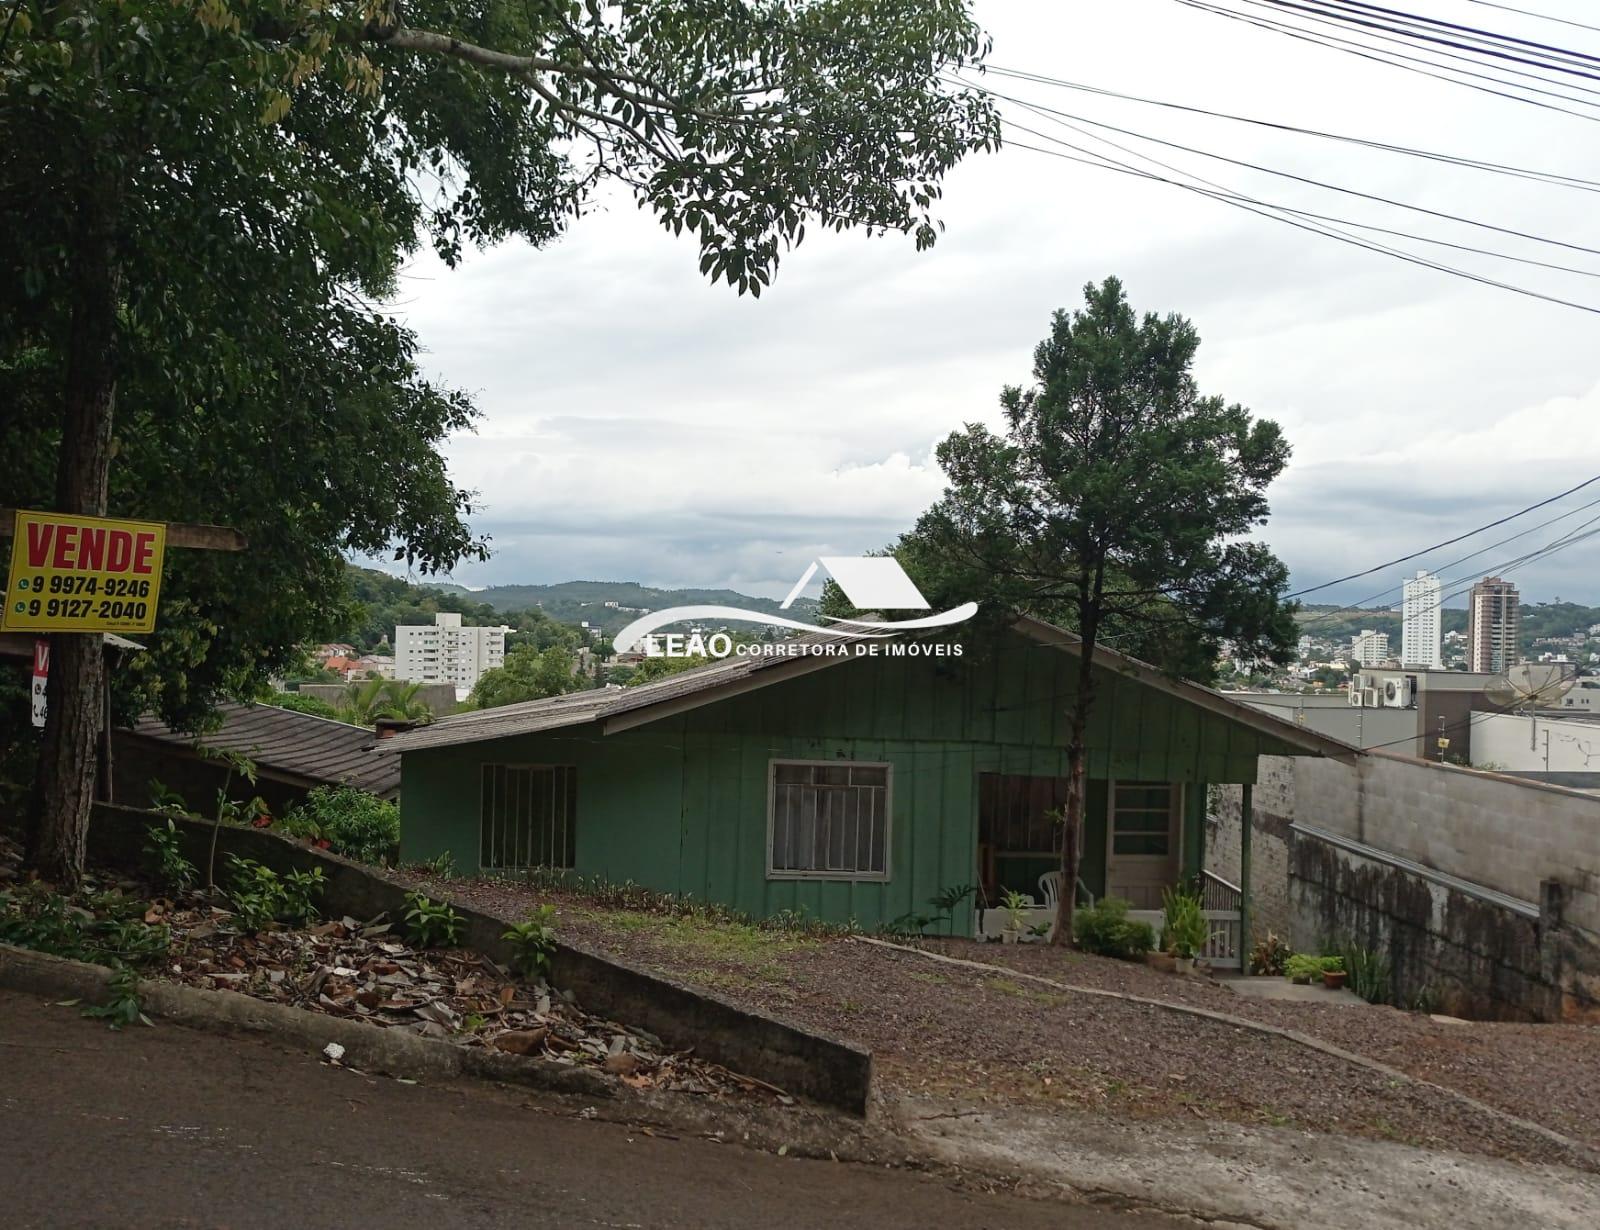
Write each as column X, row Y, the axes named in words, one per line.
column 1115, row 503
column 205, row 198
column 528, row 673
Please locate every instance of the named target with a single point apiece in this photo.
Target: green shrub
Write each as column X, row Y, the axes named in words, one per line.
column 354, row 823
column 261, row 897
column 532, row 941
column 432, row 924
column 1106, row 929
column 301, row 703
column 1268, row 956
column 163, row 854
column 1369, row 974
column 1186, row 928
column 1305, row 965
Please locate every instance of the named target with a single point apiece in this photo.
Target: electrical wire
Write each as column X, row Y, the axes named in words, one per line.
column 1449, row 541
column 1561, row 21
column 1551, row 178
column 1362, row 604
column 1429, row 68
column 1040, row 109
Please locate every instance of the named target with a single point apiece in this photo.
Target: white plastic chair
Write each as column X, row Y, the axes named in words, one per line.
column 1050, row 888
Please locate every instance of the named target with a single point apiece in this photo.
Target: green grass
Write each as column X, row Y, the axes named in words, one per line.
column 701, row 939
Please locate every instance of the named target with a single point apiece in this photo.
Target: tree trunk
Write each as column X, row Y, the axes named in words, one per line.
column 1077, row 791
column 64, row 787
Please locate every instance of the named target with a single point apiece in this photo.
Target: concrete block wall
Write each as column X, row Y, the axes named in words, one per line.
column 1499, row 832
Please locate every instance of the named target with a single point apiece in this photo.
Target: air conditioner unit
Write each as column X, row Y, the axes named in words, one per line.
column 1396, row 694
column 1369, row 697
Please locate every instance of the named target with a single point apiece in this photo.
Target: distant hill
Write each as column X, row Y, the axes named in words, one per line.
column 576, row 601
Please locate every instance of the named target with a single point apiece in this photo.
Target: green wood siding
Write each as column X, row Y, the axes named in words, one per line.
column 680, row 805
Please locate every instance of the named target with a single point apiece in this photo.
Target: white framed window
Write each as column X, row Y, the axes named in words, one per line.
column 828, row 820
column 1142, row 816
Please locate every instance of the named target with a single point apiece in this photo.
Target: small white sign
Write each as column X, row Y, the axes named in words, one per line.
column 41, row 679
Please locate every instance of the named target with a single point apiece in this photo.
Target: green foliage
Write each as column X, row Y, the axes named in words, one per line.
column 1186, row 929
column 529, row 673
column 532, row 942
column 355, row 824
column 364, row 703
column 432, row 924
column 313, row 705
column 1015, row 905
column 164, row 858
column 1118, row 503
column 1307, row 967
column 1268, row 956
column 648, row 670
column 34, row 916
column 1106, row 929
column 122, row 1008
column 945, row 903
column 261, row 897
column 1369, row 974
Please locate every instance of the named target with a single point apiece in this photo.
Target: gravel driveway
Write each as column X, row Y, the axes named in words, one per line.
column 943, row 1030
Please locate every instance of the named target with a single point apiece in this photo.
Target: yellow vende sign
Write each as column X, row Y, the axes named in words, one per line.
column 83, row 574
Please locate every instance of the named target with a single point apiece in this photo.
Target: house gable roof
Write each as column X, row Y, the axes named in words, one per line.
column 618, row 709
column 286, row 743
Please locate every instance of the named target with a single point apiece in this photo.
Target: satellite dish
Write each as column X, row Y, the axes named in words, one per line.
column 1530, row 685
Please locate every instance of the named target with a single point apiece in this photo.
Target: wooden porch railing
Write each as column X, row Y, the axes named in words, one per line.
column 1217, row 893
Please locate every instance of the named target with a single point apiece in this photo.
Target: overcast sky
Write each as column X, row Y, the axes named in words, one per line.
column 639, row 424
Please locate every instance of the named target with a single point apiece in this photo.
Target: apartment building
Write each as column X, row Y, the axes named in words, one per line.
column 1494, row 626
column 1420, row 630
column 446, row 652
column 1370, row 648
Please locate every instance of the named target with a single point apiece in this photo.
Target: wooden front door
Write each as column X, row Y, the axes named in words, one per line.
column 1143, row 839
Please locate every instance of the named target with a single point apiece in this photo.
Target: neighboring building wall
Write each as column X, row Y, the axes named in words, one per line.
column 1561, row 753
column 440, row 698
column 447, row 652
column 1269, row 842
column 1420, row 623
column 1506, row 836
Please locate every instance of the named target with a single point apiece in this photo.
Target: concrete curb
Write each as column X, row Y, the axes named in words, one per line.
column 801, row 1061
column 391, row 1052
column 1554, row 1137
column 802, row 1131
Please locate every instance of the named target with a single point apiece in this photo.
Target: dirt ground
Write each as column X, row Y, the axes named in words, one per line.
column 979, row 1038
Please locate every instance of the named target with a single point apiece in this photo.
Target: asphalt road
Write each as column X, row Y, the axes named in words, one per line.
column 166, row 1127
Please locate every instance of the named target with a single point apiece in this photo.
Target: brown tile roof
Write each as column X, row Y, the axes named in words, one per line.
column 690, row 688
column 314, row 749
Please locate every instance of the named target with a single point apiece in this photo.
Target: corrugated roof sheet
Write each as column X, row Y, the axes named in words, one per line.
column 710, row 682
column 316, row 749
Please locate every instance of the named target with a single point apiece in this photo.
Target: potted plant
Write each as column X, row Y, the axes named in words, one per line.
column 1333, row 973
column 1302, row 967
column 1015, row 905
column 1186, row 927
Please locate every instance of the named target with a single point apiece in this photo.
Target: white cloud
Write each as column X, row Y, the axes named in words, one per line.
column 640, row 423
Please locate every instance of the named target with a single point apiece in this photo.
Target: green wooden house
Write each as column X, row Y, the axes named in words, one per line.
column 847, row 786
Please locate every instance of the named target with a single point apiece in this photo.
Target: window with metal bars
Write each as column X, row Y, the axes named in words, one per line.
column 527, row 816
column 828, row 820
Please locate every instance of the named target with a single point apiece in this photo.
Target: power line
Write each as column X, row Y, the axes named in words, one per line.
column 1448, row 541
column 1430, row 68
column 1361, row 604
column 1560, row 21
column 1101, row 162
column 1302, row 179
column 1552, row 178
column 1397, row 22
column 1231, row 197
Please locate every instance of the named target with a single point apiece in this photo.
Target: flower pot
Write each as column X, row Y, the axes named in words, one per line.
column 1163, row 961
column 1184, row 965
column 1009, row 937
column 1333, row 979
column 1301, row 980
